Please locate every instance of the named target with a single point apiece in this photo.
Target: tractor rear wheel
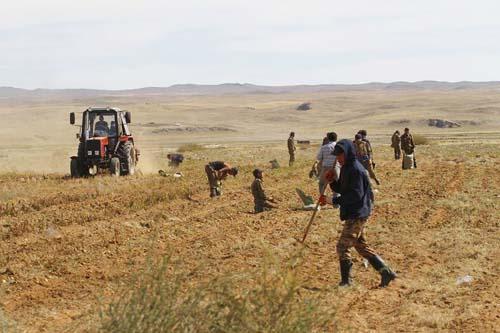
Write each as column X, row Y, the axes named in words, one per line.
column 127, row 152
column 75, row 168
column 114, row 166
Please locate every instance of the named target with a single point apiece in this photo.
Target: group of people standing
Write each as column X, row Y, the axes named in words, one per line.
column 404, row 143
column 326, row 160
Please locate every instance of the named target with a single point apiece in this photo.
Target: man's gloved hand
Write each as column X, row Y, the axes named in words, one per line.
column 336, row 200
column 330, row 176
column 322, row 200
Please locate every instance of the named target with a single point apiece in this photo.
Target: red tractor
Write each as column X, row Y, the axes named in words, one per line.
column 105, row 143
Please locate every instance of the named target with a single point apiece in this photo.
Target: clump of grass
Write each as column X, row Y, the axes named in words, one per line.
column 266, row 301
column 420, row 140
column 190, row 147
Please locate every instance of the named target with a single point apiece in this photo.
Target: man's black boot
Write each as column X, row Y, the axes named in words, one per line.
column 345, row 273
column 386, row 274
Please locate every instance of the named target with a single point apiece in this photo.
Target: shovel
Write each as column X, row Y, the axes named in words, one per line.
column 306, row 231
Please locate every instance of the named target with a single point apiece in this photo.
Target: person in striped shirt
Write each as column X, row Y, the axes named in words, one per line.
column 328, row 162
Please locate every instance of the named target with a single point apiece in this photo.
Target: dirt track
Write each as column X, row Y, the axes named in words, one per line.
column 66, row 243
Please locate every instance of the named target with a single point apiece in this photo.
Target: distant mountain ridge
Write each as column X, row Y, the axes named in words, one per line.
column 240, row 88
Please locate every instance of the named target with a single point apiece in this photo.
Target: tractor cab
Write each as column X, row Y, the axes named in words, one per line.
column 105, row 143
column 105, row 123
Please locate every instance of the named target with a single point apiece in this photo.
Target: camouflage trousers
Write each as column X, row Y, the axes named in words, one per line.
column 353, row 236
column 214, row 183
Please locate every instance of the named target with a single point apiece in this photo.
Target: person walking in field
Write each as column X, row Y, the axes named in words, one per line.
column 327, row 161
column 356, row 201
column 316, row 168
column 216, row 172
column 261, row 201
column 395, row 143
column 291, row 148
column 362, row 154
column 364, row 137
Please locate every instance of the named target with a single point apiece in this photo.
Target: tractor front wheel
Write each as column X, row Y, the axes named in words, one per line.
column 75, row 168
column 114, row 166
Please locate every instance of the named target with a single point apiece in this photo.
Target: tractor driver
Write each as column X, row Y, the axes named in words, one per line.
column 101, row 127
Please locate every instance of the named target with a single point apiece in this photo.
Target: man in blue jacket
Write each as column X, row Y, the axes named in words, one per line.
column 356, row 200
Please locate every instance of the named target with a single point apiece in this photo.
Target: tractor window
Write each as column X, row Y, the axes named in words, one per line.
column 112, row 129
column 102, row 125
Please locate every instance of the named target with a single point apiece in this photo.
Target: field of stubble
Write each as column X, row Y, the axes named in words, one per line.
column 69, row 248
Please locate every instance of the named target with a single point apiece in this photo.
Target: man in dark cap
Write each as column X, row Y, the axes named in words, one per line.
column 291, row 148
column 216, row 172
column 356, row 201
column 261, row 201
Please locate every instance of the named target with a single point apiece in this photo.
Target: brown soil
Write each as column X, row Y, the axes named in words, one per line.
column 69, row 245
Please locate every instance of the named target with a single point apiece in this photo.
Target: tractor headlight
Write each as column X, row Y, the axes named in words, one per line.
column 96, row 153
column 89, row 153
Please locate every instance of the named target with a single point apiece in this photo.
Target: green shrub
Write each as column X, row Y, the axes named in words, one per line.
column 420, row 140
column 267, row 301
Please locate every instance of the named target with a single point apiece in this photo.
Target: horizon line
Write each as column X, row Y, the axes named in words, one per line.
column 259, row 85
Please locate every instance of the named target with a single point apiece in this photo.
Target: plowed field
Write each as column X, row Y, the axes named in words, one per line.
column 68, row 246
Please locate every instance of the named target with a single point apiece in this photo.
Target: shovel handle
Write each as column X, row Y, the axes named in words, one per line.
column 306, row 231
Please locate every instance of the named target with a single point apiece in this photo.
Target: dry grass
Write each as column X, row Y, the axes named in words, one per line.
column 162, row 300
column 419, row 139
column 70, row 242
column 6, row 325
column 190, row 147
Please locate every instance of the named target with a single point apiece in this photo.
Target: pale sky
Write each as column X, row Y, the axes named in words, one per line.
column 116, row 44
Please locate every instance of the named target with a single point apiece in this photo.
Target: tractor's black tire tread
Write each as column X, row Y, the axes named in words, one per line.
column 83, row 171
column 126, row 151
column 74, row 168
